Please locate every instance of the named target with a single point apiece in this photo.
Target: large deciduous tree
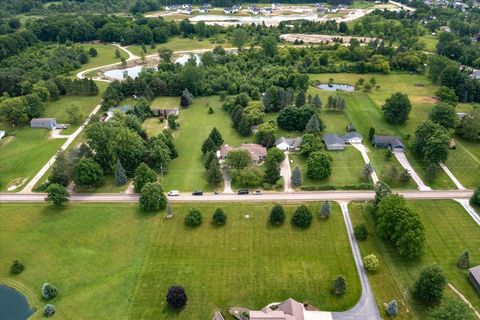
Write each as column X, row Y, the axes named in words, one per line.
column 430, row 284
column 319, row 165
column 152, row 197
column 397, row 108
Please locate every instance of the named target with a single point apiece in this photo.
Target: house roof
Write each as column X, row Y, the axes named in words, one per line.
column 292, row 142
column 256, row 151
column 475, row 271
column 35, row 120
column 273, row 315
column 331, row 139
column 388, row 140
column 351, row 135
column 293, row 308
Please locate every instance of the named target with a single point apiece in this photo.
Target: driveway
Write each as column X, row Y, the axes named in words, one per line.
column 360, row 147
column 227, row 181
column 402, row 159
column 366, row 307
column 454, row 179
column 286, row 173
column 468, row 207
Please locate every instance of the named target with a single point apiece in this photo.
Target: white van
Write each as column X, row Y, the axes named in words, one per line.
column 173, row 193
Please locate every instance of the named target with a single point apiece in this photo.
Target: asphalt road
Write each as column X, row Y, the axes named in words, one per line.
column 265, row 197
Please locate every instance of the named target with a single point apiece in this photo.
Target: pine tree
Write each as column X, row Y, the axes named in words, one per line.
column 325, row 210
column 300, row 100
column 371, row 133
column 464, row 260
column 214, row 174
column 120, row 175
column 330, row 103
column 296, row 177
column 272, row 171
column 208, row 145
column 317, row 102
column 392, row 308
column 216, row 137
column 244, row 127
column 209, row 156
column 339, row 285
column 313, row 125
column 277, row 214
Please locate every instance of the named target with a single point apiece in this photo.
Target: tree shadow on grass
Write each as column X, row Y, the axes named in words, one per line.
column 171, row 313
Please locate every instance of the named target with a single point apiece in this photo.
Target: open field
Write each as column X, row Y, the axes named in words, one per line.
column 131, row 276
column 449, row 231
column 464, row 162
column 240, row 263
column 106, row 55
column 430, row 42
column 181, row 44
column 347, row 166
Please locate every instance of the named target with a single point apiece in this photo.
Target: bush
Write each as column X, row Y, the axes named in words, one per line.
column 277, row 214
column 152, row 197
column 219, row 217
column 57, row 194
column 475, row 199
column 392, row 308
column 430, row 284
column 339, row 286
column 16, row 267
column 176, row 297
column 360, row 232
column 49, row 310
column 325, row 210
column 193, row 218
column 302, row 217
column 464, row 260
column 371, row 263
column 49, row 291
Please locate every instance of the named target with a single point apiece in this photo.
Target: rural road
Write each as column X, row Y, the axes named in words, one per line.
column 265, row 197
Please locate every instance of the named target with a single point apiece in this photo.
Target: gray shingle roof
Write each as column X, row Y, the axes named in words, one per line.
column 388, row 140
column 331, row 139
column 292, row 142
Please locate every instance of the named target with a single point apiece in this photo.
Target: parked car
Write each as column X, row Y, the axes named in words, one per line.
column 242, row 191
column 197, row 193
column 173, row 193
column 257, row 192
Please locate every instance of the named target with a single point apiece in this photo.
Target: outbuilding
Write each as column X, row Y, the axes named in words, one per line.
column 474, row 276
column 46, row 123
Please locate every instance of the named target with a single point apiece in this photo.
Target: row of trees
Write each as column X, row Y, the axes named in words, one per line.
column 209, row 150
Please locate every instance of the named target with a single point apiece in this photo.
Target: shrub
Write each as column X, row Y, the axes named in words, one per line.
column 49, row 310
column 152, row 197
column 57, row 194
column 360, row 231
column 325, row 210
column 277, row 214
column 392, row 308
column 17, row 267
column 430, row 284
column 464, row 260
column 193, row 218
column 49, row 291
column 219, row 217
column 302, row 217
column 176, row 297
column 371, row 263
column 339, row 285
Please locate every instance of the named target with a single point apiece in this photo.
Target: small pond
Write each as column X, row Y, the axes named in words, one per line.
column 184, row 58
column 13, row 305
column 335, row 87
column 119, row 74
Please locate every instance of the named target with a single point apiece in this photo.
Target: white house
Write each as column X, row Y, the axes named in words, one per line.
column 286, row 144
column 352, row 137
column 2, row 134
column 228, row 10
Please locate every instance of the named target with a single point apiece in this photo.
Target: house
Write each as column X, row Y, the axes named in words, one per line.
column 186, row 11
column 332, row 10
column 333, row 142
column 47, row 123
column 2, row 134
column 393, row 143
column 164, row 113
column 236, row 7
column 352, row 137
column 267, row 10
column 203, row 9
column 475, row 74
column 474, row 276
column 286, row 144
column 445, row 29
column 228, row 10
column 288, row 310
column 258, row 153
column 276, row 5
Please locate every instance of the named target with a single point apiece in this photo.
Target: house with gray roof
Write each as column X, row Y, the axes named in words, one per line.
column 288, row 144
column 333, row 142
column 352, row 137
column 474, row 276
column 46, row 123
column 257, row 152
column 395, row 144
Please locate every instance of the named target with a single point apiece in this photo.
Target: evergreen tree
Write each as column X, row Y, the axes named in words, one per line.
column 381, row 191
column 219, row 217
column 297, row 177
column 272, row 171
column 317, row 101
column 325, row 209
column 339, row 285
column 120, row 175
column 392, row 308
column 314, row 125
column 244, row 127
column 371, row 133
column 216, row 137
column 464, row 260
column 208, row 145
column 277, row 214
column 300, row 100
column 214, row 173
column 208, row 158
column 302, row 217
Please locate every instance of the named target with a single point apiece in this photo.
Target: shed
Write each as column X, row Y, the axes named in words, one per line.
column 47, row 123
column 333, row 142
column 474, row 276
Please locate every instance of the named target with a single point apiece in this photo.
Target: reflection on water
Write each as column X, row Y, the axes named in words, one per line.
column 13, row 305
column 119, row 74
column 335, row 87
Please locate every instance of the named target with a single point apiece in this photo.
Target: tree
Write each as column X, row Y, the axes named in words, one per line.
column 216, row 137
column 314, row 125
column 269, row 46
column 464, row 260
column 152, row 197
column 130, row 149
column 475, row 199
column 239, row 36
column 276, row 155
column 452, row 309
column 92, row 52
column 208, row 146
column 62, row 169
column 447, row 95
column 49, row 310
column 371, row 263
column 245, row 127
column 339, row 286
column 371, row 133
column 248, row 177
column 219, row 217
column 120, row 175
column 431, row 172
column 430, row 284
column 49, row 291
column 16, row 267
column 310, row 143
column 272, row 170
column 75, row 114
column 143, row 175
column 186, row 98
column 360, row 232
column 57, row 194
column 469, row 127
column 176, row 297
column 397, row 108
column 317, row 101
column 302, row 217
column 266, row 134
column 319, row 165
column 445, row 115
column 117, row 53
column 87, row 173
column 300, row 100
column 392, row 308
column 297, row 177
column 277, row 214
column 193, row 218
column 325, row 210
column 381, row 191
column 165, row 54
column 171, row 120
column 238, row 159
column 214, row 173
column 431, row 142
column 254, row 112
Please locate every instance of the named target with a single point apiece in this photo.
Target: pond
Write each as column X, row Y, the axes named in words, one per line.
column 184, row 58
column 335, row 87
column 119, row 74
column 13, row 305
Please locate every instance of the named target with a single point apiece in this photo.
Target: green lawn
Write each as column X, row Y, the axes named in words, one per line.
column 449, row 231
column 153, row 126
column 111, row 261
column 106, row 55
column 245, row 263
column 430, row 42
column 347, row 166
column 464, row 162
column 182, row 44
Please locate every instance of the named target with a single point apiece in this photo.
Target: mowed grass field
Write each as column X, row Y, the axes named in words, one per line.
column 106, row 55
column 464, row 162
column 112, row 261
column 183, row 44
column 449, row 231
column 246, row 263
column 347, row 166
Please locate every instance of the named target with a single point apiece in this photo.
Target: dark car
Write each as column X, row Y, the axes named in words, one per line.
column 242, row 191
column 197, row 193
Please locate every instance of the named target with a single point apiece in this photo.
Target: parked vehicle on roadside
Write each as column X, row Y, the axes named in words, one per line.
column 242, row 191
column 173, row 193
column 197, row 193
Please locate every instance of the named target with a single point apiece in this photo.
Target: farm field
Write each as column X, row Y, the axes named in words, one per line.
column 214, row 262
column 132, row 275
column 347, row 166
column 449, row 231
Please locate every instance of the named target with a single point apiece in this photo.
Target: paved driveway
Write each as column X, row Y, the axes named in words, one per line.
column 360, row 147
column 402, row 159
column 286, row 173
